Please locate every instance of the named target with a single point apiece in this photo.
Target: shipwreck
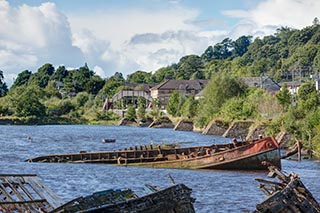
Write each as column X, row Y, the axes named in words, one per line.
column 288, row 194
column 242, row 155
column 28, row 194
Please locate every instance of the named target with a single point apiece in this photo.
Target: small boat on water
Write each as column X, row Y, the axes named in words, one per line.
column 108, row 140
column 244, row 155
column 286, row 195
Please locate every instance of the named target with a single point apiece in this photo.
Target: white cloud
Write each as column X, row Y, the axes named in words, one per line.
column 272, row 14
column 141, row 39
column 32, row 36
column 99, row 71
column 129, row 39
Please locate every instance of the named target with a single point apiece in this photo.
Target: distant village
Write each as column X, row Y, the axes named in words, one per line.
column 195, row 88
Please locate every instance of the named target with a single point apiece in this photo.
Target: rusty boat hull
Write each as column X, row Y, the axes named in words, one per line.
column 247, row 155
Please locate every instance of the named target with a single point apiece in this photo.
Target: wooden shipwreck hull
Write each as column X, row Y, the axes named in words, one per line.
column 246, row 155
column 174, row 199
column 288, row 195
column 26, row 193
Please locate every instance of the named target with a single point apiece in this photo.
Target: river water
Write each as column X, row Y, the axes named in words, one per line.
column 215, row 191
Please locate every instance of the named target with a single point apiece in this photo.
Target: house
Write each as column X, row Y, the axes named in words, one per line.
column 129, row 95
column 163, row 90
column 293, row 86
column 263, row 82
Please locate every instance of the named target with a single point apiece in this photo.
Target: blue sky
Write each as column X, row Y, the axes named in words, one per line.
column 129, row 35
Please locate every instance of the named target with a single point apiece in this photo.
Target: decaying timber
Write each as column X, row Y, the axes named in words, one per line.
column 295, row 149
column 245, row 155
column 26, row 193
column 175, row 199
column 287, row 195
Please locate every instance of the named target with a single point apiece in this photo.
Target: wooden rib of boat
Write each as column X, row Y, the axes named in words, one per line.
column 26, row 193
column 286, row 195
column 246, row 155
column 174, row 199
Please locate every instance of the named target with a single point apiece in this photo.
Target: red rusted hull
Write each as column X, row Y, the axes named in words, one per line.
column 248, row 157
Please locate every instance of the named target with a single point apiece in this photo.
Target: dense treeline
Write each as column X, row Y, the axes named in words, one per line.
column 78, row 94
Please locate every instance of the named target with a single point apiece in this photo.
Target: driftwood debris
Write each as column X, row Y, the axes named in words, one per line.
column 295, row 149
column 287, row 195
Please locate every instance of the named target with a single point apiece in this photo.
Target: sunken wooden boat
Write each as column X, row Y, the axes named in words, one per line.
column 245, row 155
column 174, row 199
column 286, row 195
column 26, row 193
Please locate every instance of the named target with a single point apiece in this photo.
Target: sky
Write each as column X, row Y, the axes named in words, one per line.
column 130, row 35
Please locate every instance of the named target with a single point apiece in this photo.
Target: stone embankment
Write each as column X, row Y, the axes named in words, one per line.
column 238, row 129
column 216, row 127
column 184, row 125
column 163, row 122
column 255, row 131
column 126, row 122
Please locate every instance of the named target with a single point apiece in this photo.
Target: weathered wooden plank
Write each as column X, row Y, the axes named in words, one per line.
column 290, row 195
column 44, row 192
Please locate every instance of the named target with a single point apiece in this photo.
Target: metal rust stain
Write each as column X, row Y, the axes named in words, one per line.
column 26, row 193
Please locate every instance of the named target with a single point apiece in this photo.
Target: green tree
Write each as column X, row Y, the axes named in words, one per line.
column 156, row 113
column 173, row 105
column 42, row 77
column 141, row 111
column 94, row 85
column 264, row 103
column 140, row 77
column 60, row 74
column 240, row 46
column 131, row 113
column 77, row 79
column 236, row 108
column 223, row 49
column 284, row 97
column 27, row 102
column 190, row 107
column 188, row 67
column 208, row 54
column 22, row 78
column 51, row 90
column 163, row 73
column 308, row 98
column 219, row 89
column 3, row 85
column 315, row 21
column 111, row 86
